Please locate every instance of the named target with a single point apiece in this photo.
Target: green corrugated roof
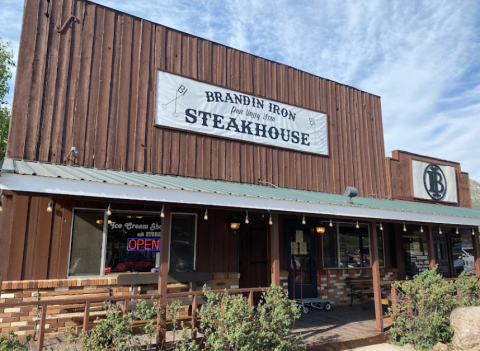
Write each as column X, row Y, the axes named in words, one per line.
column 158, row 181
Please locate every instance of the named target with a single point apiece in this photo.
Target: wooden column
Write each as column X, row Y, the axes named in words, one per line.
column 476, row 252
column 275, row 249
column 163, row 274
column 401, row 274
column 430, row 247
column 377, row 292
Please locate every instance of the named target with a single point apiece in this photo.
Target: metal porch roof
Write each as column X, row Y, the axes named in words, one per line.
column 290, row 200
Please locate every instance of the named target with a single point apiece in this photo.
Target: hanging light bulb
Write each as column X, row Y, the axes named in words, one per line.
column 473, row 232
column 440, row 231
column 331, row 223
column 162, row 212
column 421, row 229
column 381, row 226
column 357, row 225
column 457, row 231
column 1, row 209
column 206, row 215
column 246, row 218
column 303, row 220
column 404, row 227
column 270, row 220
column 50, row 206
column 109, row 209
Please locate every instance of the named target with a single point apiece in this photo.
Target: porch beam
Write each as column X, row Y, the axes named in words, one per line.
column 163, row 274
column 377, row 292
column 430, row 248
column 476, row 252
column 275, row 249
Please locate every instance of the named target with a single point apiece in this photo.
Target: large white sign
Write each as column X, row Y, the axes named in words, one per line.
column 434, row 182
column 190, row 105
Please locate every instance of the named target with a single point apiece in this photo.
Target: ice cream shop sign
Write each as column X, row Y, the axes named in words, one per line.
column 187, row 104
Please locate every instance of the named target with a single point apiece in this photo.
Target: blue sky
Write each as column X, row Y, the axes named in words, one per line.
column 421, row 57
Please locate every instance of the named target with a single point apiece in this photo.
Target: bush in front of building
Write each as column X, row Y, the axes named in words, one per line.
column 421, row 315
column 10, row 342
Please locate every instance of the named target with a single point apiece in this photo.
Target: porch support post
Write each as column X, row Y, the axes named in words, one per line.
column 275, row 249
column 377, row 292
column 163, row 274
column 431, row 249
column 476, row 252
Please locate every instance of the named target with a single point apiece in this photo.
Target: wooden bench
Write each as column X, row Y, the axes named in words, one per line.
column 360, row 287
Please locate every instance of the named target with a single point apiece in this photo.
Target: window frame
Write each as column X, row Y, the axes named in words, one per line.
column 195, row 240
column 336, row 224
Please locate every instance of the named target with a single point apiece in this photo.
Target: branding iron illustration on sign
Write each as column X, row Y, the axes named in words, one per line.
column 191, row 105
column 434, row 182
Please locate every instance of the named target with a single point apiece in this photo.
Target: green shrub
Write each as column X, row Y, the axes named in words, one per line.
column 12, row 343
column 424, row 305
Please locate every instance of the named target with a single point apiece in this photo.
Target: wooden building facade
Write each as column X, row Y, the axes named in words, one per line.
column 85, row 105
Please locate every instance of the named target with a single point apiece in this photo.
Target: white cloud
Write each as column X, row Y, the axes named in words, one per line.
column 419, row 56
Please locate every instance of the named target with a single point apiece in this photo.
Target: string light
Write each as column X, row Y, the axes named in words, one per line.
column 270, row 220
column 206, row 215
column 440, row 231
column 473, row 231
column 246, row 218
column 421, row 229
column 357, row 225
column 381, row 226
column 109, row 209
column 404, row 227
column 331, row 223
column 303, row 220
column 1, row 198
column 162, row 212
column 456, row 231
column 50, row 206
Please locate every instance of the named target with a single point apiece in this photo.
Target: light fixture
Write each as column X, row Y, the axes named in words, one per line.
column 440, row 231
column 109, row 209
column 381, row 226
column 473, row 232
column 404, row 227
column 1, row 198
column 457, row 231
column 320, row 230
column 162, row 212
column 235, row 225
column 303, row 220
column 246, row 218
column 270, row 220
column 357, row 225
column 99, row 221
column 331, row 223
column 206, row 215
column 421, row 229
column 50, row 206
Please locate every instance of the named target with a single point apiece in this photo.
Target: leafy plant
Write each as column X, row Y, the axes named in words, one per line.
column 6, row 63
column 11, row 342
column 421, row 315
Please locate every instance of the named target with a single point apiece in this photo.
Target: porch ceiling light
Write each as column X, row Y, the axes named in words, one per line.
column 421, row 229
column 457, row 231
column 246, row 218
column 270, row 220
column 440, row 230
column 206, row 215
column 473, row 231
column 404, row 227
column 235, row 226
column 357, row 225
column 162, row 212
column 303, row 220
column 109, row 209
column 330, row 224
column 320, row 230
column 381, row 226
column 50, row 206
column 1, row 199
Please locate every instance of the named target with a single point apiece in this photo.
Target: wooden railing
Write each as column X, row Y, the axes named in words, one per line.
column 87, row 301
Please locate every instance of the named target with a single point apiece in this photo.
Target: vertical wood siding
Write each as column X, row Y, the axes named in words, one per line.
column 93, row 86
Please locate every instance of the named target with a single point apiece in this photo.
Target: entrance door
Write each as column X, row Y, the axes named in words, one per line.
column 301, row 260
column 253, row 258
column 441, row 254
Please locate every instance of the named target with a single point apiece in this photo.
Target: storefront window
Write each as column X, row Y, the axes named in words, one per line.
column 415, row 254
column 132, row 242
column 462, row 254
column 182, row 246
column 86, row 243
column 346, row 246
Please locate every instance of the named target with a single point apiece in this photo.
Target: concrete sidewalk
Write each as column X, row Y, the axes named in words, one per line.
column 380, row 347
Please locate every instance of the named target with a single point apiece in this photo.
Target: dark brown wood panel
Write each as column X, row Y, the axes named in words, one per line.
column 6, row 216
column 93, row 86
column 17, row 244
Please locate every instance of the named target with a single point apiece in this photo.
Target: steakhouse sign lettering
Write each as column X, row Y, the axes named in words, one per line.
column 186, row 104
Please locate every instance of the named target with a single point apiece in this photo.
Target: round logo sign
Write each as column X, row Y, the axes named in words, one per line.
column 435, row 182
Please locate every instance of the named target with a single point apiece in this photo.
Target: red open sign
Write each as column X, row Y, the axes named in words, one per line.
column 143, row 244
